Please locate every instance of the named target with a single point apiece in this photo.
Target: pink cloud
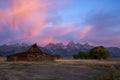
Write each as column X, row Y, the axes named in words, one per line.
column 58, row 31
column 53, row 33
column 27, row 18
column 85, row 31
column 25, row 15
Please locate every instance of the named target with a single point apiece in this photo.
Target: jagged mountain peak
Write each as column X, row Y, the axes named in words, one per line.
column 57, row 45
column 50, row 45
column 19, row 45
column 60, row 44
column 71, row 44
column 86, row 44
column 24, row 44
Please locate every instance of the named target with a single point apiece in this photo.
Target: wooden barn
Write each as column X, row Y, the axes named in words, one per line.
column 2, row 58
column 32, row 53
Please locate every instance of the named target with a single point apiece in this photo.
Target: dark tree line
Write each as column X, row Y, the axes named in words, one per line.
column 58, row 56
column 96, row 53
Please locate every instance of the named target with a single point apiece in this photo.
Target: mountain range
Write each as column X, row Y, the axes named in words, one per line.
column 57, row 48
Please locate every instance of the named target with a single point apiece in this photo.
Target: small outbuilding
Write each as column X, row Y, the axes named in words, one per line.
column 32, row 53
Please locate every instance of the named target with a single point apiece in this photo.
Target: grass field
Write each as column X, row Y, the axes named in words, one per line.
column 62, row 69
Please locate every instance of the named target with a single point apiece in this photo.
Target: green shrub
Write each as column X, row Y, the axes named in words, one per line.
column 81, row 55
column 3, row 78
column 58, row 56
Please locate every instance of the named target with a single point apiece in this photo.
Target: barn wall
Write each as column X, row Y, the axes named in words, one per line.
column 3, row 58
column 31, row 57
column 48, row 58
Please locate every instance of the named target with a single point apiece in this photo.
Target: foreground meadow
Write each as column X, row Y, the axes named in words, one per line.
column 64, row 69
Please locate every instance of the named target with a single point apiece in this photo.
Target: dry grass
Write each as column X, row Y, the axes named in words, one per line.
column 62, row 69
column 88, row 61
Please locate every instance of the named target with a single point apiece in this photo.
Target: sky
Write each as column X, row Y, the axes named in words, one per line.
column 96, row 22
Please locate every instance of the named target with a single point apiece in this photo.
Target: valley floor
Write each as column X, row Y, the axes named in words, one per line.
column 62, row 69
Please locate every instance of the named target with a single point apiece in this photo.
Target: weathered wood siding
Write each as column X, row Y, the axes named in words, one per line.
column 31, row 57
column 32, row 54
column 3, row 58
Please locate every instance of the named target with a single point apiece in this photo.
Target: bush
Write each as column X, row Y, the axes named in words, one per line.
column 81, row 55
column 58, row 56
column 75, row 56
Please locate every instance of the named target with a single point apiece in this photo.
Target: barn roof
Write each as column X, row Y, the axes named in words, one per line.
column 35, row 47
column 28, row 49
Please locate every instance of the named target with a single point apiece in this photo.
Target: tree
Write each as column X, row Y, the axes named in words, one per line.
column 96, row 53
column 81, row 55
column 58, row 56
column 99, row 53
column 75, row 56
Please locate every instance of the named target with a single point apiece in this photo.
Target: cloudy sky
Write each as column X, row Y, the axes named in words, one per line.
column 43, row 21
